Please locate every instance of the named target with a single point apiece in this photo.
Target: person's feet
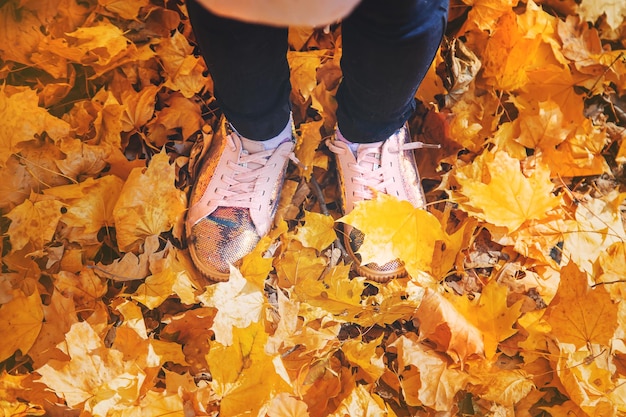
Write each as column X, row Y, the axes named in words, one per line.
column 387, row 167
column 234, row 200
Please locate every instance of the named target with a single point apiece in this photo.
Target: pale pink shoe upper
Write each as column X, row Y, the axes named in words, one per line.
column 244, row 180
column 387, row 167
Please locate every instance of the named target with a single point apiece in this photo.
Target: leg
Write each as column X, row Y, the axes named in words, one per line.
column 236, row 194
column 387, row 49
column 248, row 64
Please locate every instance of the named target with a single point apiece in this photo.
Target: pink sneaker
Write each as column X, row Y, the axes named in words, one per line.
column 233, row 202
column 387, row 167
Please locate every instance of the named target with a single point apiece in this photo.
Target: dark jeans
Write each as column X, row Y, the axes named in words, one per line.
column 388, row 47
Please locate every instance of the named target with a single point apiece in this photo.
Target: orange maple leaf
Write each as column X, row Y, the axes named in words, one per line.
column 580, row 314
column 20, row 322
column 149, row 203
column 444, row 325
column 16, row 129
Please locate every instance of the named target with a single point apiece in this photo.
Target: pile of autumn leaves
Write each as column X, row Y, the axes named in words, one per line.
column 514, row 302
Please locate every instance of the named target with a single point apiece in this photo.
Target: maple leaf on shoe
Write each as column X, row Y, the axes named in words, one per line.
column 395, row 229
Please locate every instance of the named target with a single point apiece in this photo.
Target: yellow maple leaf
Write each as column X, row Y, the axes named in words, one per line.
column 596, row 226
column 426, row 377
column 16, row 129
column 580, row 314
column 85, row 288
column 611, row 264
column 170, row 279
column 180, row 113
column 506, row 387
column 89, row 203
column 14, row 399
column 125, row 9
column 183, row 69
column 239, row 303
column 94, row 377
column 491, row 315
column 297, row 264
column 286, row 405
column 303, row 74
column 81, row 159
column 20, row 37
column 395, row 229
column 364, row 355
column 614, row 10
column 139, row 106
column 91, row 45
column 149, row 203
column 317, row 232
column 509, row 198
column 59, row 315
column 108, row 122
column 307, row 143
column 244, row 377
column 362, row 402
column 587, row 380
column 156, row 403
column 542, row 125
column 20, row 323
column 335, row 294
column 33, row 222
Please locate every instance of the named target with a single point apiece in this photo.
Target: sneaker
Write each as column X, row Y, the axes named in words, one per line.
column 387, row 167
column 233, row 202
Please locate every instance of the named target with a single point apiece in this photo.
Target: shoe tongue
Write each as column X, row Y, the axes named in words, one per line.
column 375, row 148
column 252, row 146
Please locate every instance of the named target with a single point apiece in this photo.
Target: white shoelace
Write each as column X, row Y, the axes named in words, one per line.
column 370, row 174
column 243, row 175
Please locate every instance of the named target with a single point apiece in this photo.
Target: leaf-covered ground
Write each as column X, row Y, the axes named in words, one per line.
column 514, row 306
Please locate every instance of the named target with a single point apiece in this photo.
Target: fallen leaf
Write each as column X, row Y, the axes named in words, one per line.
column 149, row 203
column 614, row 10
column 94, row 376
column 491, row 315
column 509, row 198
column 426, row 377
column 125, row 9
column 244, row 377
column 285, row 405
column 580, row 314
column 317, row 232
column 16, row 129
column 183, row 70
column 34, row 222
column 239, row 303
column 361, row 403
column 441, row 323
column 20, row 323
column 365, row 356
